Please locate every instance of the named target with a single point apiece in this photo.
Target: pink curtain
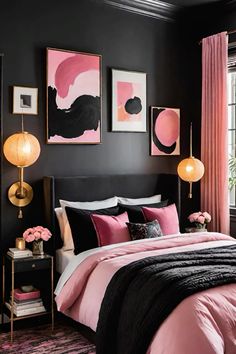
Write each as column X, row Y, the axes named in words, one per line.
column 214, row 131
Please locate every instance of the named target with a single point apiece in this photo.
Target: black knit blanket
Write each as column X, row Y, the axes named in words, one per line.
column 143, row 293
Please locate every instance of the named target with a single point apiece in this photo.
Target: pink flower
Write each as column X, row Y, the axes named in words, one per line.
column 201, row 219
column 207, row 216
column 194, row 216
column 38, row 228
column 45, row 235
column 29, row 238
column 28, row 232
column 36, row 233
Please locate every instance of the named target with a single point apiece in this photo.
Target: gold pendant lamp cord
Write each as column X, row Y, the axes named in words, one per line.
column 22, row 123
column 191, row 140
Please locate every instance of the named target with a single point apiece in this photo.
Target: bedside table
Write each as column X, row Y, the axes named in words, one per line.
column 37, row 271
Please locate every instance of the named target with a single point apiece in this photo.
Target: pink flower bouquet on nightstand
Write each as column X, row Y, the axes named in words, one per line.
column 37, row 235
column 200, row 219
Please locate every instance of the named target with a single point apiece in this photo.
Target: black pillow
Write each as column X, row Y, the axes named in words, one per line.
column 82, row 229
column 148, row 230
column 135, row 213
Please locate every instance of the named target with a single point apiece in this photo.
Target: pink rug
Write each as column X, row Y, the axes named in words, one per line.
column 65, row 339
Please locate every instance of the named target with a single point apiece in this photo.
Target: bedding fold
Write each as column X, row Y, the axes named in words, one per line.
column 142, row 294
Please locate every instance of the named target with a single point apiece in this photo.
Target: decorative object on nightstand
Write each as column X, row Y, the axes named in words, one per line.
column 190, row 169
column 17, row 253
column 27, row 301
column 20, row 243
column 37, row 235
column 199, row 220
column 28, row 296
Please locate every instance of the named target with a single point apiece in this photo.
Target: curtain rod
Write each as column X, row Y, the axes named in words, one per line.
column 228, row 33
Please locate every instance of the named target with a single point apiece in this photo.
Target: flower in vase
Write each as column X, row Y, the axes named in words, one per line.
column 200, row 219
column 37, row 233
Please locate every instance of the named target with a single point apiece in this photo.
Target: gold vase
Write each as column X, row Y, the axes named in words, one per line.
column 38, row 248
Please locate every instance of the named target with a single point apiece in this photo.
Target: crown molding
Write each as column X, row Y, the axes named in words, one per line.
column 168, row 12
column 151, row 8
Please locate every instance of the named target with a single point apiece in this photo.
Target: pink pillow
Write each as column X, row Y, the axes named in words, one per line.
column 111, row 229
column 167, row 218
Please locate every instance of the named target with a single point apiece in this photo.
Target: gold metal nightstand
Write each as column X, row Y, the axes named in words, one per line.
column 36, row 270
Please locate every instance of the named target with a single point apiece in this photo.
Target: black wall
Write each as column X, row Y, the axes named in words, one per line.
column 162, row 49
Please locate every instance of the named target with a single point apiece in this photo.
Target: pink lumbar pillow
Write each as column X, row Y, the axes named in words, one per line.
column 167, row 218
column 111, row 229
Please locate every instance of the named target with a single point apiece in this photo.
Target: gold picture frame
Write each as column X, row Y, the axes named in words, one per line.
column 74, row 95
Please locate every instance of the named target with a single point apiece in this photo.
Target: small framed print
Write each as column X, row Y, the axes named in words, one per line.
column 165, row 131
column 128, row 101
column 25, row 100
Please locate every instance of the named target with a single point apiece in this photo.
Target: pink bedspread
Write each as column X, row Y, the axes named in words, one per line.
column 204, row 323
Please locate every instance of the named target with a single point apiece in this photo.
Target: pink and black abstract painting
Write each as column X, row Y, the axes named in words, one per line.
column 73, row 97
column 165, row 131
column 128, row 101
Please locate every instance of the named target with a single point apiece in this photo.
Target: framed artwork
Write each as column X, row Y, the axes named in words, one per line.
column 165, row 131
column 25, row 100
column 128, row 101
column 73, row 97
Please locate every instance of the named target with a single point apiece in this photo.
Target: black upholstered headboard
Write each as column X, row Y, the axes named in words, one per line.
column 89, row 188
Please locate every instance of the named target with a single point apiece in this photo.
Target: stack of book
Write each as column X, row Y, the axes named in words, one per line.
column 26, row 303
column 17, row 253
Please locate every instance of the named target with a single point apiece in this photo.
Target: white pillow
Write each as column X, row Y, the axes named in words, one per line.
column 66, row 235
column 98, row 204
column 136, row 201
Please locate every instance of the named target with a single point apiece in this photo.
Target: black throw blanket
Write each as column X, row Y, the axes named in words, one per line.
column 143, row 293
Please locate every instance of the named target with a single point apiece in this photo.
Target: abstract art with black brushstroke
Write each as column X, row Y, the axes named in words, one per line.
column 165, row 131
column 128, row 101
column 73, row 97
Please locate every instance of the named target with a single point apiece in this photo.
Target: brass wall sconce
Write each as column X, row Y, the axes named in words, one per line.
column 190, row 169
column 21, row 150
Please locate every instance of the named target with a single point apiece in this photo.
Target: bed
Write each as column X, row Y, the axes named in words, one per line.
column 196, row 318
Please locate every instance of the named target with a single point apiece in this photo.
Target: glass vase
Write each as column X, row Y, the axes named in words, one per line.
column 201, row 227
column 37, row 248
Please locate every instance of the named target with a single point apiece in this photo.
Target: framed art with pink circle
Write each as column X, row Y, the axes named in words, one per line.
column 165, row 131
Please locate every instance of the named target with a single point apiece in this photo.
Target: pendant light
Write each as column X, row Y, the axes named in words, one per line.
column 190, row 169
